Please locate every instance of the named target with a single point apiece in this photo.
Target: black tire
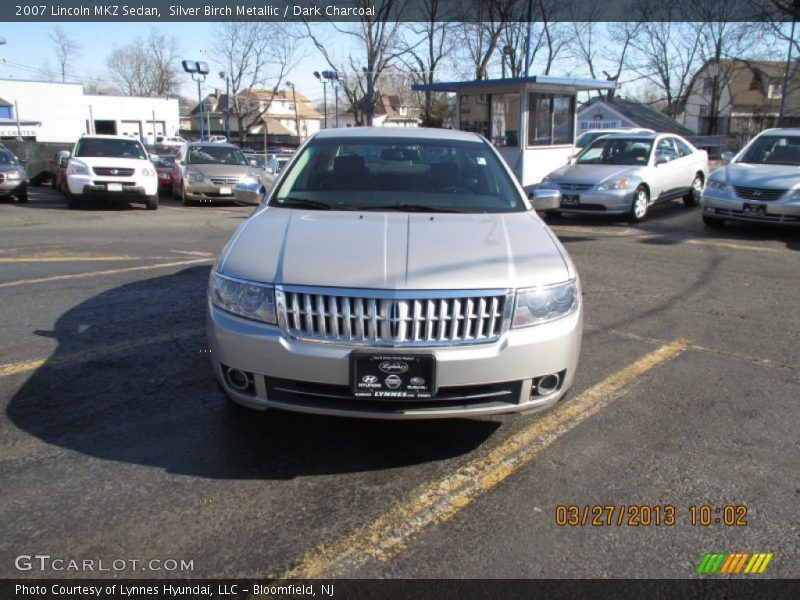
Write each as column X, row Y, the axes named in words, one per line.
column 73, row 201
column 22, row 195
column 693, row 197
column 639, row 205
column 552, row 213
column 184, row 200
column 713, row 222
column 152, row 202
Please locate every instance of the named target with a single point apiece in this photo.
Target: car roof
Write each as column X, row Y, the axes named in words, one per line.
column 102, row 136
column 781, row 131
column 421, row 133
column 212, row 144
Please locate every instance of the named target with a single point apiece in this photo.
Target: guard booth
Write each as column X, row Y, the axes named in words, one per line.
column 530, row 120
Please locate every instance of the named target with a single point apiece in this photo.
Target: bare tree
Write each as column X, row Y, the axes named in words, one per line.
column 256, row 56
column 378, row 37
column 480, row 37
column 147, row 66
column 548, row 39
column 66, row 49
column 432, row 44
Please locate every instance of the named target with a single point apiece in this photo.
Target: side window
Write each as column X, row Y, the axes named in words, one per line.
column 683, row 148
column 666, row 149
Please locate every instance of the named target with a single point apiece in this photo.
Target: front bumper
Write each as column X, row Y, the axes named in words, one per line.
column 10, row 187
column 607, row 202
column 719, row 204
column 94, row 186
column 208, row 192
column 471, row 380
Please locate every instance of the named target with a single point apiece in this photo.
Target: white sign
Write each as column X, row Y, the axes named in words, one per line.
column 14, row 132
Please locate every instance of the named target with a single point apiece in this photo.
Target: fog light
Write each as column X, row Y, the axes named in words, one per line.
column 238, row 379
column 548, row 384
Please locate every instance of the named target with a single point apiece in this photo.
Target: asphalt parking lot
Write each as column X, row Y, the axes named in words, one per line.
column 115, row 442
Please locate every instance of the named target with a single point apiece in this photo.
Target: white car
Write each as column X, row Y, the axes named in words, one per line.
column 173, row 142
column 111, row 167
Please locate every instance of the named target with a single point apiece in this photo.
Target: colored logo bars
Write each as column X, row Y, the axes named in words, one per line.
column 733, row 564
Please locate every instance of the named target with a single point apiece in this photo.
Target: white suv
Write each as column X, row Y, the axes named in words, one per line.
column 111, row 167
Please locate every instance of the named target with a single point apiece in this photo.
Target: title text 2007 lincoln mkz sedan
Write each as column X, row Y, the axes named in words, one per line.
column 392, row 274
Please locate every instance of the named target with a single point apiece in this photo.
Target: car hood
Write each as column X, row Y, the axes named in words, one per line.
column 593, row 174
column 112, row 161
column 223, row 170
column 781, row 177
column 4, row 168
column 395, row 250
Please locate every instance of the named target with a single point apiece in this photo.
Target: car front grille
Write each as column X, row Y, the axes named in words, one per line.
column 367, row 317
column 575, row 187
column 765, row 194
column 223, row 180
column 113, row 172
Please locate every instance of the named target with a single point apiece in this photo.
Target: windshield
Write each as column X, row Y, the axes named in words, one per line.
column 256, row 160
column 587, row 138
column 166, row 162
column 6, row 158
column 773, row 150
column 399, row 174
column 616, row 151
column 216, row 155
column 89, row 147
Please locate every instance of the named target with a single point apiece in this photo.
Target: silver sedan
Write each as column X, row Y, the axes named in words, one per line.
column 625, row 174
column 762, row 183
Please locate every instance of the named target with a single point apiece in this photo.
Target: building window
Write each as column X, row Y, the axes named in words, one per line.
column 708, row 86
column 774, row 90
column 505, row 120
column 704, row 110
column 474, row 114
column 551, row 119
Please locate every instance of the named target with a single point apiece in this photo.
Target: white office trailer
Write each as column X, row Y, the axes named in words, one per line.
column 61, row 112
column 530, row 120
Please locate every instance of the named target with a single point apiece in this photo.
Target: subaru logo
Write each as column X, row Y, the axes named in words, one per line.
column 393, row 366
column 393, row 382
column 369, row 379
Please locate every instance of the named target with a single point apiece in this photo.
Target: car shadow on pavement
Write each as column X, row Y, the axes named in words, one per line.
column 755, row 232
column 149, row 400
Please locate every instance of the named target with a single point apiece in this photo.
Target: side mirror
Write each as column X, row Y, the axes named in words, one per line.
column 661, row 160
column 727, row 156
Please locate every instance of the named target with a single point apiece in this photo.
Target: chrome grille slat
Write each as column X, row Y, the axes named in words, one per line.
column 392, row 318
column 765, row 194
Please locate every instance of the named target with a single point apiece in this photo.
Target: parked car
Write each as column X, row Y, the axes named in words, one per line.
column 111, row 167
column 258, row 161
column 624, row 174
column 217, row 139
column 165, row 167
column 760, row 184
column 208, row 171
column 423, row 288
column 275, row 165
column 13, row 176
column 172, row 141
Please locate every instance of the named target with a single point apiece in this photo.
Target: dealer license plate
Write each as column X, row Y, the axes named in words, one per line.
column 114, row 187
column 225, row 190
column 389, row 376
column 758, row 210
column 570, row 200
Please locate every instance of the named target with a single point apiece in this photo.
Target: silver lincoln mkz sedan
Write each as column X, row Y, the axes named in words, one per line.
column 395, row 274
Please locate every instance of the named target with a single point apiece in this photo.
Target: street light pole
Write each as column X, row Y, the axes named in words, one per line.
column 788, row 63
column 296, row 116
column 224, row 75
column 200, row 69
column 324, row 81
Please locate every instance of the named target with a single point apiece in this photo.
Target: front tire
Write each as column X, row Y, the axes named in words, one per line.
column 692, row 198
column 73, row 201
column 152, row 202
column 640, row 205
column 22, row 195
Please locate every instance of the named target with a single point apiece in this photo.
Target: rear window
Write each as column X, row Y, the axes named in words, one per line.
column 89, row 147
column 400, row 174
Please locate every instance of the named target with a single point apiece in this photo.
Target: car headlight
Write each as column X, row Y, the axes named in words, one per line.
column 795, row 197
column 540, row 305
column 548, row 184
column 76, row 168
column 163, row 175
column 194, row 176
column 12, row 175
column 617, row 184
column 713, row 184
column 148, row 172
column 246, row 299
column 248, row 179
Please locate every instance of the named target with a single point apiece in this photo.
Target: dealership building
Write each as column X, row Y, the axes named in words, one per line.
column 60, row 112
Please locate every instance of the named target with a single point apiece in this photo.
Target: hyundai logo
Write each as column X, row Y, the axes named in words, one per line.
column 369, row 379
column 393, row 366
column 393, row 382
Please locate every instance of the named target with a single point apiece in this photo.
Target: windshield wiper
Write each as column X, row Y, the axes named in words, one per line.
column 302, row 203
column 407, row 208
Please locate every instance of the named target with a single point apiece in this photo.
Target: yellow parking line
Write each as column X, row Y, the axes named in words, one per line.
column 733, row 246
column 440, row 500
column 31, row 365
column 28, row 259
column 108, row 272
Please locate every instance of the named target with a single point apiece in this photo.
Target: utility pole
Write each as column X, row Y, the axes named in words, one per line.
column 296, row 115
column 788, row 63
